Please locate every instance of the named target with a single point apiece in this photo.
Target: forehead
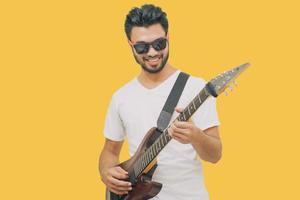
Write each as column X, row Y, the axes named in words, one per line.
column 147, row 34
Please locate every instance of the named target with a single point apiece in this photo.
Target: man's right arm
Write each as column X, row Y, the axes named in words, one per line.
column 110, row 173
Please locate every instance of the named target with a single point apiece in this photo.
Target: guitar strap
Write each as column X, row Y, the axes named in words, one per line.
column 168, row 109
column 172, row 100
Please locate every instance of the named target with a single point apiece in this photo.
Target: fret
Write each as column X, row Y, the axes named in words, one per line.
column 155, row 149
column 158, row 148
column 140, row 164
column 154, row 153
column 150, row 153
column 143, row 161
column 147, row 157
column 197, row 101
column 158, row 145
column 168, row 137
column 138, row 168
column 203, row 95
column 188, row 108
column 165, row 139
column 181, row 117
column 192, row 108
column 200, row 100
column 194, row 104
column 186, row 114
column 161, row 141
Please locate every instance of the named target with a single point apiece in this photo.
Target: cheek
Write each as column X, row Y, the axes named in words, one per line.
column 141, row 57
column 165, row 51
column 138, row 57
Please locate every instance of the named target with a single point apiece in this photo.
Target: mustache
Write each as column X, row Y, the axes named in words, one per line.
column 156, row 56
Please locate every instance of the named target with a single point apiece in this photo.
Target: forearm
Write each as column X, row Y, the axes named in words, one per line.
column 107, row 160
column 208, row 148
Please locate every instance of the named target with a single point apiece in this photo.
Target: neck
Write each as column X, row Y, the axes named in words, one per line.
column 151, row 80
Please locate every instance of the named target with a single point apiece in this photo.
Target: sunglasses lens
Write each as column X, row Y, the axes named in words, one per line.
column 141, row 48
column 159, row 44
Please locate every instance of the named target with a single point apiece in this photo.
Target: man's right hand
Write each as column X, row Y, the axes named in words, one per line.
column 114, row 178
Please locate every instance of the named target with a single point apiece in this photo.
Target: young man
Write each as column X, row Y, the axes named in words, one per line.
column 135, row 108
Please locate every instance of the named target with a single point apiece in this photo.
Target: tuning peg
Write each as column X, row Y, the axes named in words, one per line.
column 225, row 93
column 230, row 88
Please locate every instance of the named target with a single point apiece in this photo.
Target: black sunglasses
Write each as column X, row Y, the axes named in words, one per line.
column 143, row 47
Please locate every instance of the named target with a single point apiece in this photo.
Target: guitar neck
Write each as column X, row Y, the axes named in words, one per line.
column 151, row 153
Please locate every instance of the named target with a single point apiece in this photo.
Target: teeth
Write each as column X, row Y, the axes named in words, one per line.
column 155, row 59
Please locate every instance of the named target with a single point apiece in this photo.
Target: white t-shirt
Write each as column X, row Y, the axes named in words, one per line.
column 135, row 109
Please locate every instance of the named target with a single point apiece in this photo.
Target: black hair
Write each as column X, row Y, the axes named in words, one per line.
column 145, row 16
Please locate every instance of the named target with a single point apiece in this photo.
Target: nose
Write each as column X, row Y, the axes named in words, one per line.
column 152, row 51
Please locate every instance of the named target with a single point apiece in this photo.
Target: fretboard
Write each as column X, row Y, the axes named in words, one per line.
column 151, row 153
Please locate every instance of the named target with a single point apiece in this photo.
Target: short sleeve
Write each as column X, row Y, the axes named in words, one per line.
column 207, row 115
column 114, row 128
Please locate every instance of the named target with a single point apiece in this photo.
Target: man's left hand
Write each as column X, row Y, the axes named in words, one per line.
column 183, row 132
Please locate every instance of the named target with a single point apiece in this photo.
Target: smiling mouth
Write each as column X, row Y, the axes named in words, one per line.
column 153, row 61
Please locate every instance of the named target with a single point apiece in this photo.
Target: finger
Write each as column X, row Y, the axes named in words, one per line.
column 180, row 130
column 183, row 125
column 179, row 139
column 179, row 136
column 179, row 110
column 121, row 170
column 119, row 182
column 116, row 174
column 120, row 189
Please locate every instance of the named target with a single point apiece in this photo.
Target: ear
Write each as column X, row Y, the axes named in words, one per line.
column 129, row 42
column 131, row 46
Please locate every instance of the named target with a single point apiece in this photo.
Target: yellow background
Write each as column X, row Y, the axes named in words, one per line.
column 62, row 60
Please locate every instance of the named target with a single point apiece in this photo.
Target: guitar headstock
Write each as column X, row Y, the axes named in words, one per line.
column 218, row 84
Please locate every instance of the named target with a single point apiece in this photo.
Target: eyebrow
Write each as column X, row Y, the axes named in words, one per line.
column 143, row 42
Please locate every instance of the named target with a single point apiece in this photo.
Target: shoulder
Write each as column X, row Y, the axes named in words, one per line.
column 197, row 80
column 125, row 91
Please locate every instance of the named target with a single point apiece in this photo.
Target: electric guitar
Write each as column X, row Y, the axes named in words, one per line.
column 141, row 165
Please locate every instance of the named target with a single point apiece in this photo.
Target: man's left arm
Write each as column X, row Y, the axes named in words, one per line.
column 208, row 144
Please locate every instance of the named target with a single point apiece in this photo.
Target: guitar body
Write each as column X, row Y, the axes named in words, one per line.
column 143, row 188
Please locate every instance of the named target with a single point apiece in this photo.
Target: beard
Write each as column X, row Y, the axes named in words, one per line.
column 152, row 70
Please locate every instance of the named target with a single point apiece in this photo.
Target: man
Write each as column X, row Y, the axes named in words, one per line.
column 135, row 107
